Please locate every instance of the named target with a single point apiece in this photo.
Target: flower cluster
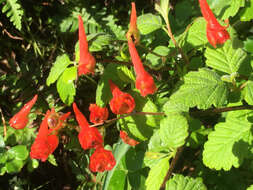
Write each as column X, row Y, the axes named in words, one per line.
column 216, row 34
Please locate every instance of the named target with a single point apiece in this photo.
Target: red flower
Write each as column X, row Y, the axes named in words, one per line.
column 216, row 34
column 98, row 114
column 121, row 103
column 102, row 160
column 89, row 137
column 47, row 140
column 20, row 119
column 144, row 81
column 87, row 62
column 133, row 30
column 126, row 139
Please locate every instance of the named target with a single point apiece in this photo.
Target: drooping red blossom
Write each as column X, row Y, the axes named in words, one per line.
column 102, row 160
column 98, row 114
column 122, row 102
column 87, row 62
column 89, row 137
column 144, row 81
column 47, row 140
column 126, row 139
column 216, row 34
column 20, row 119
column 133, row 30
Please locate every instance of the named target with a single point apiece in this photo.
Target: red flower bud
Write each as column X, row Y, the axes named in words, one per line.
column 121, row 103
column 133, row 30
column 144, row 81
column 126, row 139
column 98, row 114
column 87, row 62
column 216, row 34
column 20, row 119
column 89, row 137
column 102, row 160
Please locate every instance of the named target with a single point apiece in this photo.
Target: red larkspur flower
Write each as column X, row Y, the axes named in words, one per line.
column 102, row 160
column 20, row 119
column 98, row 114
column 122, row 102
column 216, row 34
column 133, row 30
column 87, row 62
column 126, row 139
column 144, row 81
column 89, row 137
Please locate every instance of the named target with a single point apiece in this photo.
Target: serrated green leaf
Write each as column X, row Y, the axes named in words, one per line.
column 148, row 23
column 233, row 8
column 155, row 61
column 174, row 130
column 14, row 166
column 61, row 63
column 202, row 88
column 180, row 182
column 99, row 40
column 249, row 92
column 226, row 58
column 196, row 35
column 227, row 145
column 19, row 152
column 65, row 85
column 247, row 13
column 217, row 5
column 157, row 174
column 14, row 12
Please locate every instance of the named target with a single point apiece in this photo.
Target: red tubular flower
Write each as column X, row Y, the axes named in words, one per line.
column 121, row 103
column 89, row 137
column 87, row 62
column 133, row 30
column 216, row 34
column 144, row 81
column 102, row 160
column 20, row 119
column 47, row 140
column 98, row 114
column 126, row 139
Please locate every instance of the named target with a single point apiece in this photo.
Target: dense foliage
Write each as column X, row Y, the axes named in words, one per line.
column 170, row 97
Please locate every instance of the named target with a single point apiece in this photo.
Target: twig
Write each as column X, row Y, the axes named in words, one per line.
column 4, row 123
column 172, row 166
column 9, row 34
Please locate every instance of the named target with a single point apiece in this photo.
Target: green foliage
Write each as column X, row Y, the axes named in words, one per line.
column 179, row 182
column 148, row 23
column 13, row 11
column 247, row 13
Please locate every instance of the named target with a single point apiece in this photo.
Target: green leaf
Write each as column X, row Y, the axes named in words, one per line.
column 14, row 166
column 163, row 8
column 174, row 130
column 118, row 180
column 226, row 58
column 65, row 85
column 141, row 127
column 227, row 145
column 202, row 88
column 180, row 182
column 196, row 35
column 125, row 74
column 157, row 174
column 148, row 23
column 61, row 63
column 51, row 159
column 32, row 164
column 248, row 44
column 19, row 152
column 134, row 159
column 217, row 5
column 155, row 61
column 2, row 144
column 249, row 92
column 233, row 8
column 119, row 152
column 98, row 41
column 14, row 12
column 247, row 13
column 250, row 187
